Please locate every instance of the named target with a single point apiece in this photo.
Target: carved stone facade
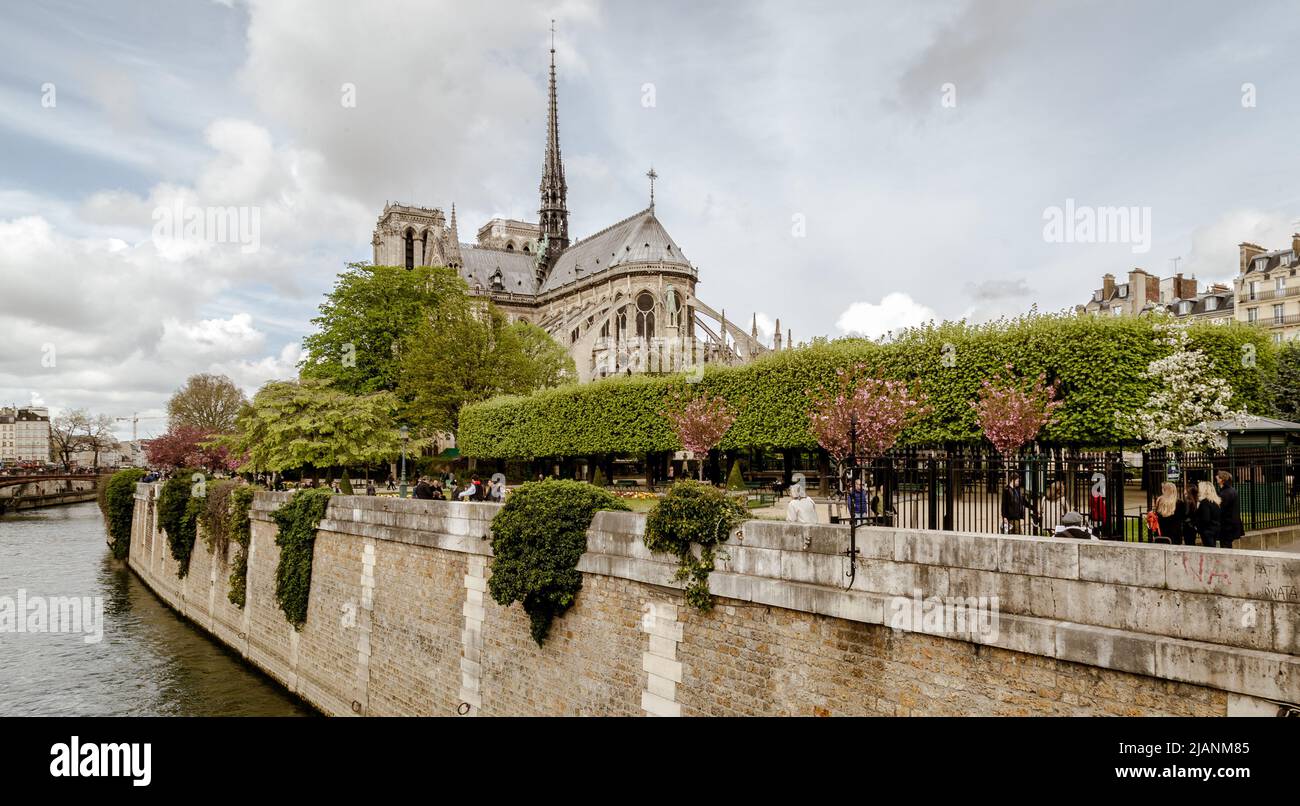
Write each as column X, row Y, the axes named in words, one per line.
column 621, row 300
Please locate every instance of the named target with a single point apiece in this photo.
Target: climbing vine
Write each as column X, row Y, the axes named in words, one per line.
column 179, row 505
column 537, row 539
column 693, row 513
column 240, row 529
column 297, row 521
column 117, row 500
column 215, row 517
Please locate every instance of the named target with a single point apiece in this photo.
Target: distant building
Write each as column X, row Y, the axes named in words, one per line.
column 24, row 434
column 1146, row 293
column 1268, row 290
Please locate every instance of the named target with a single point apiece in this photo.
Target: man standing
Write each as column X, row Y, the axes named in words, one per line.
column 1013, row 506
column 1230, row 511
column 858, row 501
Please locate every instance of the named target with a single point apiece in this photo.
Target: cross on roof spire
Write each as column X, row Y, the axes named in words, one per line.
column 652, row 176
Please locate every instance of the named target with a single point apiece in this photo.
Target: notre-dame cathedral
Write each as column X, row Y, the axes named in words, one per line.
column 621, row 300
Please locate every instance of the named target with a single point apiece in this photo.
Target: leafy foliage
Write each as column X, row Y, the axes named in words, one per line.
column 1284, row 387
column 297, row 521
column 700, row 422
column 1097, row 362
column 364, row 320
column 598, row 478
column 1188, row 397
column 178, row 514
column 215, row 517
column 208, row 403
column 239, row 527
column 736, row 479
column 293, row 424
column 189, row 446
column 1012, row 411
column 862, row 412
column 693, row 513
column 117, row 501
column 537, row 539
column 468, row 352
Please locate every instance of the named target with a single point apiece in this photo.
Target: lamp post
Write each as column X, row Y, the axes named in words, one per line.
column 406, row 433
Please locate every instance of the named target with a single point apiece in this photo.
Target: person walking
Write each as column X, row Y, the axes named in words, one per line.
column 1013, row 507
column 1209, row 515
column 1171, row 513
column 370, row 487
column 1232, row 527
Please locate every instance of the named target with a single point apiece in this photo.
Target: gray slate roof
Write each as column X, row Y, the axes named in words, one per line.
column 517, row 269
column 1254, row 422
column 639, row 238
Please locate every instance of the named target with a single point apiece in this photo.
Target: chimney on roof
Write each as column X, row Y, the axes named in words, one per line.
column 776, row 337
column 1249, row 251
column 1295, row 243
column 1107, row 286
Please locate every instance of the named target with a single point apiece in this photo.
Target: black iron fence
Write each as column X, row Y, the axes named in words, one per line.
column 967, row 490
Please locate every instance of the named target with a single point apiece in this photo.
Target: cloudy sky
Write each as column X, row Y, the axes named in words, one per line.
column 846, row 166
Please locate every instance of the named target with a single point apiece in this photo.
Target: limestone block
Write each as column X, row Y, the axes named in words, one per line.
column 1122, row 563
column 954, row 549
column 1039, row 556
column 1105, row 647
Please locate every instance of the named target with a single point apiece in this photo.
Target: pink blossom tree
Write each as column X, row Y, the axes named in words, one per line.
column 189, row 446
column 863, row 411
column 700, row 423
column 1012, row 411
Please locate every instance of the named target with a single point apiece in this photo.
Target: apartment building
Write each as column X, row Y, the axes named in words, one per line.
column 1267, row 289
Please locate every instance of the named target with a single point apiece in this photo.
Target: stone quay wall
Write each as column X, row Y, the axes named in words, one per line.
column 400, row 622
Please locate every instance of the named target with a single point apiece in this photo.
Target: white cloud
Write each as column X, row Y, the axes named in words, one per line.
column 893, row 313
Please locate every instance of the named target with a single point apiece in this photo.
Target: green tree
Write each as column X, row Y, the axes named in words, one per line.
column 466, row 353
column 364, row 320
column 310, row 423
column 207, row 402
column 1284, row 386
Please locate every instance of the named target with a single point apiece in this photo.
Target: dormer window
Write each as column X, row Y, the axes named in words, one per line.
column 1287, row 258
column 1261, row 263
column 1211, row 303
column 1123, row 290
column 1184, row 307
column 1096, row 296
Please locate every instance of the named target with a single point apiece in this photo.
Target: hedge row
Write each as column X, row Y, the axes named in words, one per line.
column 1098, row 362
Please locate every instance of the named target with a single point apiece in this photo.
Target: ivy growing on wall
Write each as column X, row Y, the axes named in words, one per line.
column 537, row 539
column 297, row 521
column 699, row 514
column 215, row 517
column 240, row 529
column 117, row 501
column 180, row 503
column 1098, row 363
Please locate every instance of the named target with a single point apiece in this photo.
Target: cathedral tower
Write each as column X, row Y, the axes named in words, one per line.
column 553, row 215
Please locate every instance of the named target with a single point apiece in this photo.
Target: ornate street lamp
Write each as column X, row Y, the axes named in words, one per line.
column 406, row 433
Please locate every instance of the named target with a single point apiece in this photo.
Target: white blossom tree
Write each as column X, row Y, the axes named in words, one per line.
column 1189, row 397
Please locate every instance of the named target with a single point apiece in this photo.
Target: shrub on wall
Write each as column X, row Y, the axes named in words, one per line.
column 1097, row 361
column 297, row 521
column 179, row 505
column 117, row 500
column 215, row 517
column 537, row 539
column 693, row 513
column 239, row 527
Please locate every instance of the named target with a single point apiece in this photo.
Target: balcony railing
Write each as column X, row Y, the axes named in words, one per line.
column 1277, row 321
column 1260, row 296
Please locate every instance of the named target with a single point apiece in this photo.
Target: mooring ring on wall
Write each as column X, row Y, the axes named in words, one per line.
column 463, row 708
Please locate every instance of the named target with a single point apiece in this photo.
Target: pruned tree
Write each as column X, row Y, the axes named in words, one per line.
column 699, row 422
column 862, row 411
column 1011, row 411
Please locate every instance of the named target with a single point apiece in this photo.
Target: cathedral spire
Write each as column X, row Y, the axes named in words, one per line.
column 553, row 215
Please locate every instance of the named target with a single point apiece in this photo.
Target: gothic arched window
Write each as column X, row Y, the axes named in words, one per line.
column 410, row 249
column 620, row 330
column 645, row 315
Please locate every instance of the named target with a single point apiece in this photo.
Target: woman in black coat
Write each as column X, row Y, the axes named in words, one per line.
column 1171, row 512
column 1209, row 515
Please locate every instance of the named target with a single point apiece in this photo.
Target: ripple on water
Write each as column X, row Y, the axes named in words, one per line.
column 150, row 661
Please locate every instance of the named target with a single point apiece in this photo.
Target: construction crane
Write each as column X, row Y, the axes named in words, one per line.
column 134, row 420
